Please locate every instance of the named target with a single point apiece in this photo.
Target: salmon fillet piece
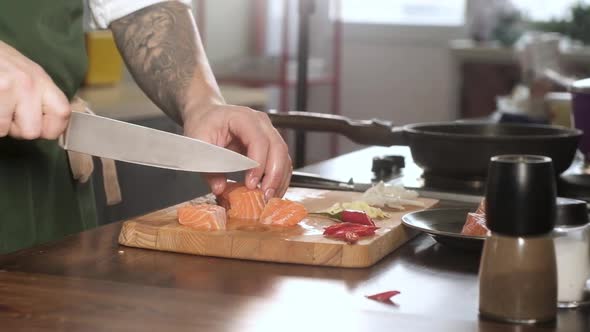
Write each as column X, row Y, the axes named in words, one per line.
column 475, row 225
column 481, row 209
column 206, row 217
column 223, row 199
column 282, row 212
column 243, row 203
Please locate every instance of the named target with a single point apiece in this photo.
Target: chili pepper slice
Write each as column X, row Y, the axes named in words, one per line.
column 384, row 297
column 356, row 217
column 351, row 237
column 358, row 231
column 366, row 231
column 349, row 232
column 336, row 228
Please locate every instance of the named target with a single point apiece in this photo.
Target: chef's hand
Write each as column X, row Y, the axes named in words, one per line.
column 249, row 132
column 31, row 105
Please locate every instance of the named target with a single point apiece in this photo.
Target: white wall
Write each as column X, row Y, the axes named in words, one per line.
column 402, row 74
column 227, row 28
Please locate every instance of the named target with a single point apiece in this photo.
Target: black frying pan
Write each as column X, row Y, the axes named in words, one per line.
column 458, row 149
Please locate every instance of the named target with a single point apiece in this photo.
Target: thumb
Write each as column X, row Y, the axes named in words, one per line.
column 216, row 181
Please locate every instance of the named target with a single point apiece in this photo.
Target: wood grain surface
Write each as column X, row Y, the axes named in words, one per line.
column 302, row 244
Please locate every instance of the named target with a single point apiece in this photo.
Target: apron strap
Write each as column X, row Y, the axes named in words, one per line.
column 82, row 165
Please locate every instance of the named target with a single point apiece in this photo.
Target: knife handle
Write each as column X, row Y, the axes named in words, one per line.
column 367, row 132
column 309, row 180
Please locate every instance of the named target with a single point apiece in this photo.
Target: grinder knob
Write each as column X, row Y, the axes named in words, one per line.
column 387, row 165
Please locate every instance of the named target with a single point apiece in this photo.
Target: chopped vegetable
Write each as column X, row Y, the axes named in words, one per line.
column 349, row 232
column 371, row 211
column 384, row 297
column 391, row 196
column 356, row 217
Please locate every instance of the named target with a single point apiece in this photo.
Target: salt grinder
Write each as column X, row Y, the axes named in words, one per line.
column 517, row 275
column 572, row 252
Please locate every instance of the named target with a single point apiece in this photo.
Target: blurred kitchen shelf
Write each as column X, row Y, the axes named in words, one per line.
column 469, row 50
column 262, row 70
column 266, row 70
column 126, row 101
column 488, row 70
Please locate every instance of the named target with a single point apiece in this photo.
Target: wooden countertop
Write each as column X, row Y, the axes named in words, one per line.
column 87, row 282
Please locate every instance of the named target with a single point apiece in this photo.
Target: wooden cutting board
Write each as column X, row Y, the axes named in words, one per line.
column 303, row 244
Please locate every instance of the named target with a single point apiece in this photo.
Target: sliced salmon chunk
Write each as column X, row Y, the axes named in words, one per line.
column 282, row 212
column 206, row 217
column 475, row 225
column 223, row 199
column 244, row 203
column 481, row 208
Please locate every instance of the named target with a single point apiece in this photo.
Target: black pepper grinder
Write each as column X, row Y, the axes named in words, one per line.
column 517, row 274
column 385, row 167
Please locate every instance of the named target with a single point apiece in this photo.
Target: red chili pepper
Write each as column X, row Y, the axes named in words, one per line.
column 384, row 297
column 357, row 217
column 336, row 227
column 351, row 237
column 366, row 231
column 348, row 226
column 349, row 232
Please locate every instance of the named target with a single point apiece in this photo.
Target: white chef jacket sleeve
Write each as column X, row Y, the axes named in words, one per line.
column 103, row 12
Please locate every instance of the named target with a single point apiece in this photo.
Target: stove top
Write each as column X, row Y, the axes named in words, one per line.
column 472, row 186
column 573, row 183
column 569, row 185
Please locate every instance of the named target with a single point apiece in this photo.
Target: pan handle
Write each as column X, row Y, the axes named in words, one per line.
column 367, row 132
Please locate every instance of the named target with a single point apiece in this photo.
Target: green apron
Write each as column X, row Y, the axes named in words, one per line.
column 39, row 200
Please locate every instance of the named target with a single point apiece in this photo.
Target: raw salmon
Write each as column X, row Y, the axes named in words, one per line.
column 475, row 225
column 481, row 209
column 206, row 217
column 243, row 203
column 282, row 212
column 223, row 199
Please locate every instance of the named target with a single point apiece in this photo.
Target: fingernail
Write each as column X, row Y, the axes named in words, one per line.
column 254, row 182
column 217, row 188
column 269, row 193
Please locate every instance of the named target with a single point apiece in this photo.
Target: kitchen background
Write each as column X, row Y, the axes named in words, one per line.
column 404, row 61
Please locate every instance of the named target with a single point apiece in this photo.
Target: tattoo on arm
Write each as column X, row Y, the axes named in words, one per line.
column 158, row 44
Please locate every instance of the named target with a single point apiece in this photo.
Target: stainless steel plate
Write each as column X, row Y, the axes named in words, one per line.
column 444, row 225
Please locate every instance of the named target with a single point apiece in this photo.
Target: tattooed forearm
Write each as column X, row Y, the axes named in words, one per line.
column 159, row 46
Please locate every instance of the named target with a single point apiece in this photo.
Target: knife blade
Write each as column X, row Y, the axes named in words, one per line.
column 113, row 139
column 310, row 180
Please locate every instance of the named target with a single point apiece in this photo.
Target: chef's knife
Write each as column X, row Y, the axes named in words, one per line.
column 107, row 138
column 310, row 180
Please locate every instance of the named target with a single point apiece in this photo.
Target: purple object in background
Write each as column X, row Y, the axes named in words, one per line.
column 581, row 108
